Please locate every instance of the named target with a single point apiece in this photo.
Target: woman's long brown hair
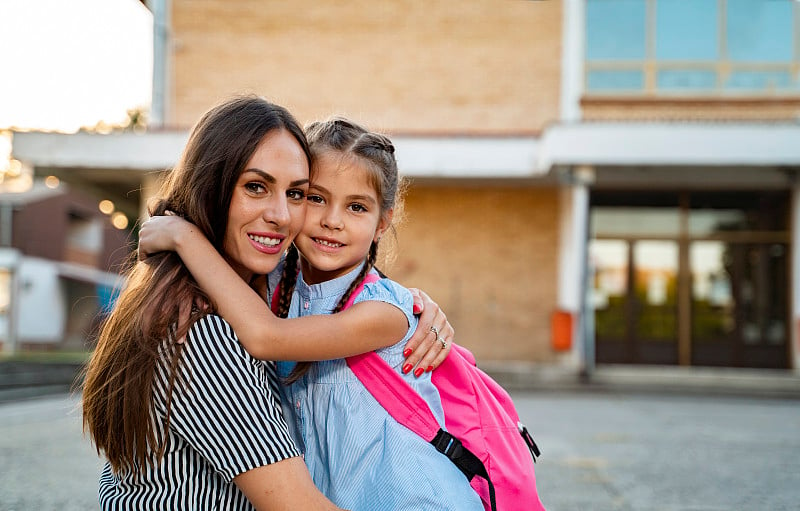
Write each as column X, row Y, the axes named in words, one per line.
column 156, row 307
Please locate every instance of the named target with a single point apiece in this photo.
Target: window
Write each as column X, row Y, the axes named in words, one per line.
column 84, row 233
column 724, row 47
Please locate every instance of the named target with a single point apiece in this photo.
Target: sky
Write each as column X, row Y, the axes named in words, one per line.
column 68, row 64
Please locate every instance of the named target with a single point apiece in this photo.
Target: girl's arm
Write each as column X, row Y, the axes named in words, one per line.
column 363, row 327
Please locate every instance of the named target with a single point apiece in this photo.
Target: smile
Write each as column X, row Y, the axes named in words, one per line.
column 325, row 243
column 263, row 240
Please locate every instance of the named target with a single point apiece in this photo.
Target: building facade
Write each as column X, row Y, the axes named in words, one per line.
column 59, row 263
column 592, row 181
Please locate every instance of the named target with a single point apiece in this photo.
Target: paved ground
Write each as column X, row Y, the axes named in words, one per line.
column 601, row 451
column 46, row 463
column 670, row 453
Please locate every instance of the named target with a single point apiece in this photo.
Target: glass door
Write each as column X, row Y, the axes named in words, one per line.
column 691, row 277
column 655, row 298
column 635, row 299
column 739, row 304
column 609, row 261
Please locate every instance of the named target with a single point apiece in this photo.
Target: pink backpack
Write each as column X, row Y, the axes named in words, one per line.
column 484, row 436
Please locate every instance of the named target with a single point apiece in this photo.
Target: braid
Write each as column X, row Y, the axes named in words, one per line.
column 370, row 263
column 301, row 368
column 288, row 281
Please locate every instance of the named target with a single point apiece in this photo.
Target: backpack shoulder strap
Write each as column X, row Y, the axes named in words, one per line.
column 408, row 408
column 389, row 388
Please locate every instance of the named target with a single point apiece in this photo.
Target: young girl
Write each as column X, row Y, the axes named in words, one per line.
column 359, row 456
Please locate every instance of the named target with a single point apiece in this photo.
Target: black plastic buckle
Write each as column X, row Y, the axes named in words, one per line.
column 535, row 452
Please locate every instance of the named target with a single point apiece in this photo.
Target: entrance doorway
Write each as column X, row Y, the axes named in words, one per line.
column 690, row 278
column 636, row 305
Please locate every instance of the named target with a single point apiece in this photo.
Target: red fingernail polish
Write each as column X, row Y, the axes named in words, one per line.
column 429, row 369
column 417, row 309
column 406, row 368
column 418, row 372
column 407, row 352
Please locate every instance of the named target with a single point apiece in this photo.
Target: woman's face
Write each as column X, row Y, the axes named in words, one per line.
column 268, row 205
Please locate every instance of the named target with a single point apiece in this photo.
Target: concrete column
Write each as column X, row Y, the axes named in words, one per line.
column 161, row 61
column 572, row 56
column 10, row 260
column 573, row 256
column 794, row 328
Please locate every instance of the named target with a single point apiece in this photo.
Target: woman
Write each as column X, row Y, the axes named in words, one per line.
column 185, row 416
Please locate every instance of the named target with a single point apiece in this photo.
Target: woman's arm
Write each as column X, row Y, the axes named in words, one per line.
column 282, row 486
column 363, row 327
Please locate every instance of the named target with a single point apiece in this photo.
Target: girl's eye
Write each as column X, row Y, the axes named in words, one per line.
column 296, row 194
column 358, row 208
column 316, row 199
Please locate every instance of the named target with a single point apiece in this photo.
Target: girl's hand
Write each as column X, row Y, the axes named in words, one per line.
column 161, row 233
column 433, row 338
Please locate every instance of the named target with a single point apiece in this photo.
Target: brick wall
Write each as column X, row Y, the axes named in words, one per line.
column 489, row 258
column 691, row 109
column 483, row 66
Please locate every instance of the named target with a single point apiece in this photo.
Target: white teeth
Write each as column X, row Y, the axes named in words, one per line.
column 271, row 242
column 328, row 243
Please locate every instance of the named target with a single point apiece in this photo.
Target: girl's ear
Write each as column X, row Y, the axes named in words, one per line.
column 383, row 224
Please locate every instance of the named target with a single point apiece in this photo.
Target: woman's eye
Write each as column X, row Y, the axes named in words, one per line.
column 255, row 187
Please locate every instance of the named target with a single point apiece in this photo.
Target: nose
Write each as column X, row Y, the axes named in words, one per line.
column 332, row 219
column 277, row 211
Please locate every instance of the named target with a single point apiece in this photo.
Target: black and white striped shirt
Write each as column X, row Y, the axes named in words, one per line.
column 225, row 421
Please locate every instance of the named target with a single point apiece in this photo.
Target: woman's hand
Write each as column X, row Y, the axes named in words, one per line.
column 161, row 233
column 433, row 338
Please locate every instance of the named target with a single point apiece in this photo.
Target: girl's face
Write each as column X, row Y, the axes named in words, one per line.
column 268, row 205
column 342, row 220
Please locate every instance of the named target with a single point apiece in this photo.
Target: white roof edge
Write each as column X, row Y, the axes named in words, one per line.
column 417, row 156
column 585, row 143
column 671, row 143
column 467, row 157
column 88, row 274
column 137, row 151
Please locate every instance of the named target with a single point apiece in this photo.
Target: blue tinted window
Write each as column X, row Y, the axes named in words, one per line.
column 615, row 80
column 686, row 79
column 760, row 31
column 687, row 30
column 692, row 45
column 615, row 29
column 759, row 80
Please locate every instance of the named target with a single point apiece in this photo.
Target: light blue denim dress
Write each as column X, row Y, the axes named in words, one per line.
column 358, row 456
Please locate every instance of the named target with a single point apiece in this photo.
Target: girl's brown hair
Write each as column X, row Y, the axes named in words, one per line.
column 156, row 308
column 373, row 151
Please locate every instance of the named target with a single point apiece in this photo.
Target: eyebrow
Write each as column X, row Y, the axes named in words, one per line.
column 271, row 179
column 365, row 198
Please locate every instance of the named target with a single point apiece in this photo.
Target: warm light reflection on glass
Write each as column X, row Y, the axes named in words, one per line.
column 14, row 168
column 119, row 220
column 20, row 184
column 106, row 206
column 52, row 182
column 5, row 143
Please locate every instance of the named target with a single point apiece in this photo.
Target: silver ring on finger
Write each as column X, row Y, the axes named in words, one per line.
column 441, row 340
column 435, row 332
